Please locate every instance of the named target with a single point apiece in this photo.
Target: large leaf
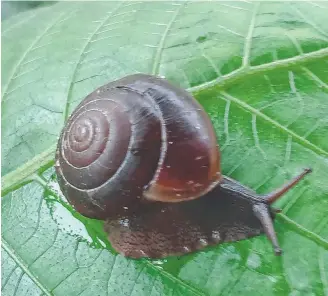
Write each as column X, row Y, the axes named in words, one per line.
column 259, row 69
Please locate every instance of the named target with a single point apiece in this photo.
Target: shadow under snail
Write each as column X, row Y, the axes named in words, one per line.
column 142, row 155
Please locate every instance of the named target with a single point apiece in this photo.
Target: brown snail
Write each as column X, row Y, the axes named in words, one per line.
column 141, row 154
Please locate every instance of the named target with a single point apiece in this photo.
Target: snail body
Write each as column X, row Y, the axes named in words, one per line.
column 141, row 154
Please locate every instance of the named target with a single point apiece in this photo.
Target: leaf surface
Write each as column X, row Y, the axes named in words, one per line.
column 261, row 72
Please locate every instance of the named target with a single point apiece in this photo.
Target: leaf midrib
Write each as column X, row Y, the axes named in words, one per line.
column 245, row 71
column 15, row 178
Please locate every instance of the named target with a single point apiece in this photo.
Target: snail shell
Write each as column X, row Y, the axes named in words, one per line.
column 136, row 137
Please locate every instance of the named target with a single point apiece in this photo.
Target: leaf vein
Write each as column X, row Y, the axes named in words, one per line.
column 303, row 231
column 323, row 273
column 301, row 140
column 226, row 122
column 27, row 51
column 175, row 279
column 256, row 137
column 70, row 274
column 24, row 267
column 5, row 281
column 248, row 40
column 314, row 26
column 18, row 282
column 110, row 274
column 159, row 52
column 46, row 250
column 80, row 58
column 243, row 72
column 315, row 77
column 37, row 224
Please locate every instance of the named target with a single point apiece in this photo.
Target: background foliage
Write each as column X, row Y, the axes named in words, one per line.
column 10, row 8
column 261, row 72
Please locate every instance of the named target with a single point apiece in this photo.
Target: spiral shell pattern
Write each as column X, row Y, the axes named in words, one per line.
column 134, row 138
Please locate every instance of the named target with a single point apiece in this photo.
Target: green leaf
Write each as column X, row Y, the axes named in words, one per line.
column 261, row 72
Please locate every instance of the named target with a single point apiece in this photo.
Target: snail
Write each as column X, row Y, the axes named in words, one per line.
column 141, row 154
